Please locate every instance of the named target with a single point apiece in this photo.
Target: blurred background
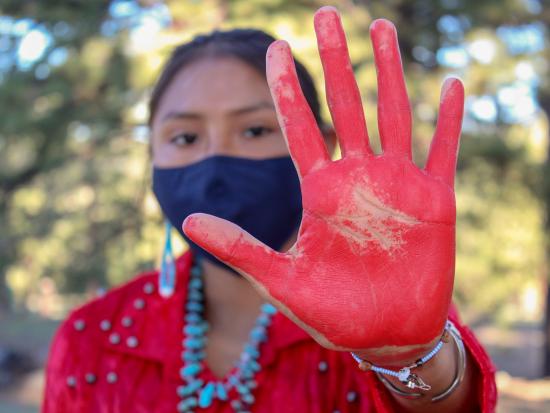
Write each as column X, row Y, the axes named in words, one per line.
column 77, row 215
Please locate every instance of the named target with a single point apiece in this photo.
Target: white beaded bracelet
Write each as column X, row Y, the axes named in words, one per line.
column 459, row 372
column 404, row 374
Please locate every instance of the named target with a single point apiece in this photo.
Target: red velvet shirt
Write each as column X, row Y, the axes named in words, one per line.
column 122, row 353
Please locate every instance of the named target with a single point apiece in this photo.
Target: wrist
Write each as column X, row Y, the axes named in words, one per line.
column 396, row 357
column 435, row 365
column 437, row 373
column 445, row 373
column 399, row 356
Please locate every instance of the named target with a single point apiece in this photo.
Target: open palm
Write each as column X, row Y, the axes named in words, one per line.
column 373, row 266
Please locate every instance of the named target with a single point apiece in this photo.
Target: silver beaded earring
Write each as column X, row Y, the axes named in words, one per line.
column 167, row 273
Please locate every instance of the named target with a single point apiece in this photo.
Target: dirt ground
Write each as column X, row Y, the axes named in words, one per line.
column 516, row 352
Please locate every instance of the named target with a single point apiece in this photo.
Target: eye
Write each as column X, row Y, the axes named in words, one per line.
column 257, row 131
column 184, row 139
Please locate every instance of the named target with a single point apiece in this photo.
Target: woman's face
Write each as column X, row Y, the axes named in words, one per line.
column 216, row 106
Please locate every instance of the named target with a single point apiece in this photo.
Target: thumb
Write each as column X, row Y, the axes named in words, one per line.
column 228, row 242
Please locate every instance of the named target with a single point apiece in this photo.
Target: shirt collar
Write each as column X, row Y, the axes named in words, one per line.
column 160, row 323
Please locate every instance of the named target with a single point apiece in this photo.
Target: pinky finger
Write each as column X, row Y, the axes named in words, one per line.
column 444, row 148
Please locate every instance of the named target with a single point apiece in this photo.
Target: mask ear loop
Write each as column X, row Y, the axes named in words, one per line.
column 167, row 273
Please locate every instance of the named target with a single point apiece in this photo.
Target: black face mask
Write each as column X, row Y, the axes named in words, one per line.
column 263, row 196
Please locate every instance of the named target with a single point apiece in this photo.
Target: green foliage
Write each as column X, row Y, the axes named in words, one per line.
column 500, row 241
column 66, row 196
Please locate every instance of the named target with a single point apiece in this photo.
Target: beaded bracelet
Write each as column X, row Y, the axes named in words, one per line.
column 459, row 372
column 404, row 375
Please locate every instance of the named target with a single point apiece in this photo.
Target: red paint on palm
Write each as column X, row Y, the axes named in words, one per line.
column 373, row 266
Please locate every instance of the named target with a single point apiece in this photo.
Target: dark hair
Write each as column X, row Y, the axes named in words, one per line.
column 248, row 45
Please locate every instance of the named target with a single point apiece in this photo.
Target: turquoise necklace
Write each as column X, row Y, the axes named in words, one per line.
column 237, row 388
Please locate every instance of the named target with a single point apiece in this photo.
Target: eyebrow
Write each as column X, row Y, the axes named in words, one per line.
column 253, row 108
column 235, row 112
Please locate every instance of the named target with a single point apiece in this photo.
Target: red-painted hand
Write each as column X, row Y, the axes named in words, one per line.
column 373, row 266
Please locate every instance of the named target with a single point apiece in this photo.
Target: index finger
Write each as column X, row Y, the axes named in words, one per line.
column 303, row 137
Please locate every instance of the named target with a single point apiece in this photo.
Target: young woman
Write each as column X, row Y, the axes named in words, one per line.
column 355, row 256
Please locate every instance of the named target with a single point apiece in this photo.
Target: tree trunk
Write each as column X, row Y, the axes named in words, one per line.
column 6, row 258
column 544, row 102
column 546, row 349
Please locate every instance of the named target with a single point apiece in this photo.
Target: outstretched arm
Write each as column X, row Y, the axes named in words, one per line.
column 372, row 269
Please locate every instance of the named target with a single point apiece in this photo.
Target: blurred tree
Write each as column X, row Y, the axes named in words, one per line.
column 63, row 91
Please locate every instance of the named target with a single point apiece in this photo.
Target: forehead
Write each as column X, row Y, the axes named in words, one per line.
column 214, row 85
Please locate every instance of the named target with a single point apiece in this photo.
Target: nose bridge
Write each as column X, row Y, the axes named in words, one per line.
column 220, row 139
